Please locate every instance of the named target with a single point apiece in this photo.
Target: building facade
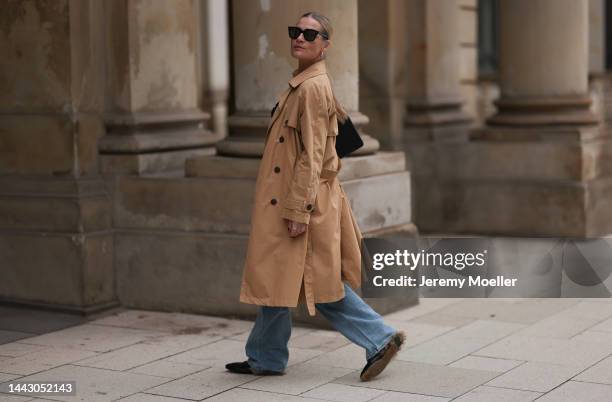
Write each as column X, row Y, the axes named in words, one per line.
column 131, row 131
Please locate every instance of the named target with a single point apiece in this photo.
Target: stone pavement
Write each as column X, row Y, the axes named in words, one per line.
column 457, row 349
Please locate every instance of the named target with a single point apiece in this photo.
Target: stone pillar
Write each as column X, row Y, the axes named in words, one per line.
column 263, row 64
column 215, row 62
column 542, row 166
column 383, row 70
column 56, row 246
column 153, row 114
column 545, row 79
column 598, row 79
column 434, row 101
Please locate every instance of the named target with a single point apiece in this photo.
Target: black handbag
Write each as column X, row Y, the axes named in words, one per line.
column 348, row 139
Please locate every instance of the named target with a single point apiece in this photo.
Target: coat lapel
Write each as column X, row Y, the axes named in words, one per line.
column 313, row 70
column 281, row 104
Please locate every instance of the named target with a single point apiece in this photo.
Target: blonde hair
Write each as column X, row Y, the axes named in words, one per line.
column 327, row 29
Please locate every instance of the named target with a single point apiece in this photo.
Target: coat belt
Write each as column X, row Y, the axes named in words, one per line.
column 328, row 175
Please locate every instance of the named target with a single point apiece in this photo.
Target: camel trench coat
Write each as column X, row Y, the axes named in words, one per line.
column 297, row 180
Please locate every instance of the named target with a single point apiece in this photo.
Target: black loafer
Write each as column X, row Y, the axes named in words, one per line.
column 377, row 363
column 245, row 368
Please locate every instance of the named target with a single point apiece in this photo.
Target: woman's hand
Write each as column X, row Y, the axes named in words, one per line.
column 295, row 228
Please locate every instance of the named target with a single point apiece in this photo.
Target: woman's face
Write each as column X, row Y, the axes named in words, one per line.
column 303, row 50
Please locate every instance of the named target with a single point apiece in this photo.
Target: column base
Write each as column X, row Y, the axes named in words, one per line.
column 56, row 236
column 248, row 131
column 519, row 182
column 142, row 143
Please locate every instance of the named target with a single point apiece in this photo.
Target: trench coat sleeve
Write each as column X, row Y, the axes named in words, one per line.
column 313, row 121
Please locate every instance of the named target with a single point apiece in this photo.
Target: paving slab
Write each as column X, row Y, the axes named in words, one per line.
column 422, row 378
column 7, row 377
column 522, row 311
column 425, row 306
column 605, row 326
column 350, row 356
column 240, row 395
column 392, row 396
column 168, row 369
column 142, row 397
column 93, row 385
column 15, row 398
column 296, row 331
column 147, row 351
column 571, row 321
column 300, row 378
column 488, row 394
column 319, row 340
column 42, row 360
column 568, row 352
column 177, row 323
column 343, row 393
column 16, row 349
column 600, row 372
column 573, row 391
column 95, row 338
column 594, row 337
column 442, row 319
column 535, row 376
column 486, row 363
column 418, row 332
column 200, row 385
column 218, row 354
column 455, row 344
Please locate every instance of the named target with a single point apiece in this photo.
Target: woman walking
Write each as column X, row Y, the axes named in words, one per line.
column 304, row 242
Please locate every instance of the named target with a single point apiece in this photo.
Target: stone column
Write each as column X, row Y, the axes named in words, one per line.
column 598, row 79
column 56, row 246
column 153, row 114
column 434, row 101
column 263, row 64
column 215, row 68
column 383, row 70
column 545, row 79
column 542, row 166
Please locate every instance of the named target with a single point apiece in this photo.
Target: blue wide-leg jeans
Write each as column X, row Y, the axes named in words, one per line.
column 266, row 346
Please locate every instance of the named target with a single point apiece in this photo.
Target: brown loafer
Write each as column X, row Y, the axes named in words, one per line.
column 377, row 363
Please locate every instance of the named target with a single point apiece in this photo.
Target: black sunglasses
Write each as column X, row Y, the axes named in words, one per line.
column 309, row 34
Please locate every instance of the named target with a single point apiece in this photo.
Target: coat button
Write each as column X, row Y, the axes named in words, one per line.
column 281, row 139
column 273, row 201
column 309, row 207
column 276, row 169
